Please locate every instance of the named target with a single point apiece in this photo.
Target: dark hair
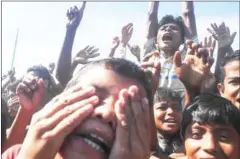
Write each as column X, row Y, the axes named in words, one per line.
column 170, row 19
column 163, row 93
column 227, row 59
column 121, row 66
column 41, row 70
column 210, row 108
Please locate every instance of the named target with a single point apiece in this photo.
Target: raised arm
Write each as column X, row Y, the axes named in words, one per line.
column 225, row 39
column 195, row 71
column 63, row 71
column 190, row 29
column 30, row 92
column 84, row 56
column 115, row 44
column 152, row 21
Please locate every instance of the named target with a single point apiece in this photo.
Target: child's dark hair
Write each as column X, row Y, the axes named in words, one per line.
column 170, row 19
column 227, row 59
column 210, row 108
column 166, row 93
column 121, row 66
column 42, row 71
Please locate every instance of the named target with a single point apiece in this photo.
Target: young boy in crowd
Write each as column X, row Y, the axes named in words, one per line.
column 166, row 36
column 210, row 128
column 104, row 112
column 168, row 114
column 229, row 86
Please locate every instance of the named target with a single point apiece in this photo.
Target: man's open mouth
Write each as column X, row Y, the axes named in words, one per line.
column 95, row 142
column 167, row 37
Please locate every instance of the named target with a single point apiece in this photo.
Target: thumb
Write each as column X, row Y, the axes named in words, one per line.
column 157, row 66
column 24, row 101
column 177, row 60
column 233, row 36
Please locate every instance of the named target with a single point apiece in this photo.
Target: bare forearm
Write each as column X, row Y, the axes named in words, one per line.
column 222, row 52
column 17, row 130
column 190, row 29
column 190, row 94
column 63, row 71
column 112, row 52
column 152, row 21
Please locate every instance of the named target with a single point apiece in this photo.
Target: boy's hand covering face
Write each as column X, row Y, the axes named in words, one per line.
column 133, row 130
column 55, row 121
column 30, row 92
column 50, row 126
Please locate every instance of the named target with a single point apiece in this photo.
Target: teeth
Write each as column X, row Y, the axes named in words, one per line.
column 93, row 145
column 99, row 138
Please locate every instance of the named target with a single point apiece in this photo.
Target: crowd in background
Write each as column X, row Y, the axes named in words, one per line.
column 168, row 105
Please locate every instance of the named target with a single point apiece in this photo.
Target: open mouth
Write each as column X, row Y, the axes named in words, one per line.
column 96, row 142
column 172, row 121
column 167, row 37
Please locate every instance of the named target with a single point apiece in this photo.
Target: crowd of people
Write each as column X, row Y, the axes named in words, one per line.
column 170, row 105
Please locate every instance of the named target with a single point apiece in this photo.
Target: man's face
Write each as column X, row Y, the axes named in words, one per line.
column 231, row 88
column 94, row 138
column 211, row 142
column 168, row 115
column 169, row 37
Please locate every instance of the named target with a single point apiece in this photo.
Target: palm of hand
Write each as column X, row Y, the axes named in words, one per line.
column 135, row 51
column 224, row 41
column 127, row 33
column 74, row 22
column 192, row 71
column 75, row 16
column 82, row 56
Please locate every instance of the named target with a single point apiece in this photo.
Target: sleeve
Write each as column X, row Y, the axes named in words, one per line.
column 149, row 46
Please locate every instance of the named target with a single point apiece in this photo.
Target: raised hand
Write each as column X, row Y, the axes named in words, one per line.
column 208, row 43
column 30, row 92
column 196, row 66
column 127, row 31
column 85, row 55
column 115, row 42
column 55, row 121
column 152, row 67
column 75, row 16
column 135, row 50
column 51, row 67
column 133, row 126
column 222, row 34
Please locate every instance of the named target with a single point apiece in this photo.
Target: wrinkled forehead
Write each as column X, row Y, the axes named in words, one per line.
column 102, row 77
column 232, row 68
